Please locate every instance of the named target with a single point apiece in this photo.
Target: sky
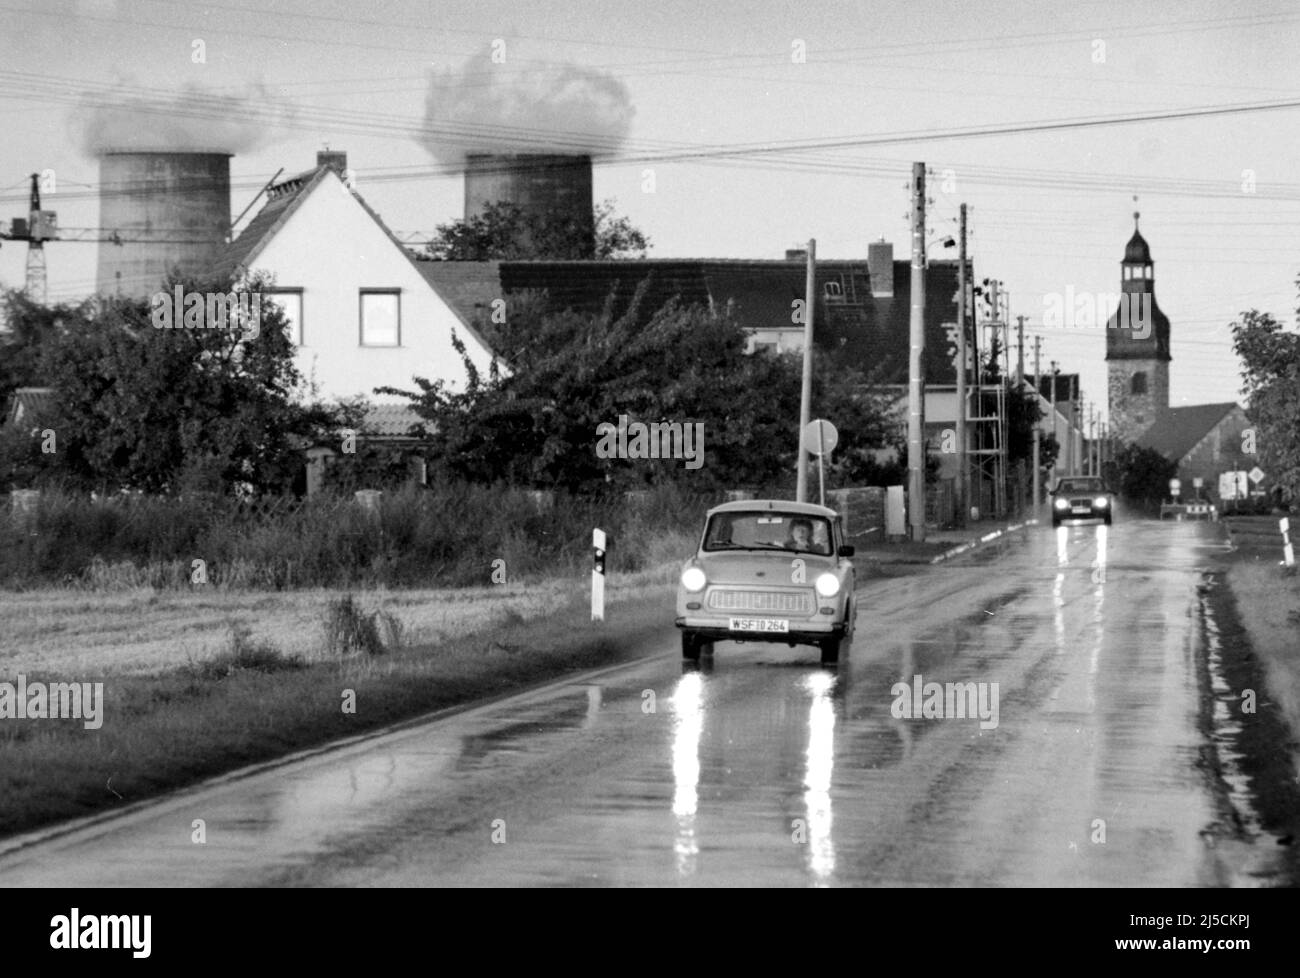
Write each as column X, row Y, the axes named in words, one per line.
column 736, row 130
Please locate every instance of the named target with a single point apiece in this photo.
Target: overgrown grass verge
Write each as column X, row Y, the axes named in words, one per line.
column 1268, row 597
column 252, row 703
column 449, row 535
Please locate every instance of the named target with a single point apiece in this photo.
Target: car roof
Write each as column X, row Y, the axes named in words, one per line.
column 781, row 505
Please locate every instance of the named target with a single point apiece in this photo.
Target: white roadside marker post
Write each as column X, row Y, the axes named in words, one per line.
column 598, row 576
column 1288, row 554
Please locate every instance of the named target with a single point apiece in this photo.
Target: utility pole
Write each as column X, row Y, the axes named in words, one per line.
column 962, row 458
column 1020, row 349
column 1055, row 437
column 1076, row 420
column 805, row 394
column 915, row 380
column 1069, row 430
column 1037, row 431
column 1092, row 442
column 35, row 279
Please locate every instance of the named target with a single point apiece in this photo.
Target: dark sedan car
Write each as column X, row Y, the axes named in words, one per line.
column 1082, row 498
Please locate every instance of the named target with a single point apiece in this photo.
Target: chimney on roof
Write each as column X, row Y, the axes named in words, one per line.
column 796, row 254
column 880, row 266
column 335, row 159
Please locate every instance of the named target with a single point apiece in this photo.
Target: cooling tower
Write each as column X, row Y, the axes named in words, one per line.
column 171, row 210
column 539, row 184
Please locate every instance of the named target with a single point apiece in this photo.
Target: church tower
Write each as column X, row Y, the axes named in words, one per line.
column 1137, row 346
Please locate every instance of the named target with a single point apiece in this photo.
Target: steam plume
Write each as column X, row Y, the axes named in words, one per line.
column 193, row 121
column 495, row 108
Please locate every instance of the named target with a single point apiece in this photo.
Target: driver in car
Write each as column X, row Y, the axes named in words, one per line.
column 800, row 535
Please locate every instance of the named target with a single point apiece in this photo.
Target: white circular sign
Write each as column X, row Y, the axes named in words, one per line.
column 820, row 435
column 1175, row 484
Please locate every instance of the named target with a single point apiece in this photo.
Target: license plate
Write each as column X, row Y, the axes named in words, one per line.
column 1081, row 509
column 760, row 625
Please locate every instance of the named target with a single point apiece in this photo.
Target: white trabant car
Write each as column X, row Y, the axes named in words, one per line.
column 768, row 570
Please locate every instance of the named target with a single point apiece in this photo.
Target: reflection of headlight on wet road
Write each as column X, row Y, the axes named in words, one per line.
column 688, row 707
column 820, row 765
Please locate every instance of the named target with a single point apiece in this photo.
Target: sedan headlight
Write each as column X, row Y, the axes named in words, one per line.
column 693, row 579
column 1101, row 502
column 828, row 585
column 1062, row 504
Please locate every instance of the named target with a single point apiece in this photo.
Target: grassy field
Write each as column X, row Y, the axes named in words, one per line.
column 200, row 684
column 143, row 631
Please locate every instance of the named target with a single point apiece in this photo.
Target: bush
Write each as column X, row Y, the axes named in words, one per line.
column 244, row 654
column 349, row 629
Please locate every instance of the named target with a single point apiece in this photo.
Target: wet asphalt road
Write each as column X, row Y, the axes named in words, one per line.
column 764, row 768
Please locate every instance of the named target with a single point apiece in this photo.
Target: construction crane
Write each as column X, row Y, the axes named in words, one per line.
column 36, row 228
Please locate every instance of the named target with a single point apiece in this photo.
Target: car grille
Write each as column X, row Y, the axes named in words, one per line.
column 1082, row 502
column 799, row 602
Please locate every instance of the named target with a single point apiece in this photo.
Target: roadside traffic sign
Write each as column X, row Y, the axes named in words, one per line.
column 820, row 435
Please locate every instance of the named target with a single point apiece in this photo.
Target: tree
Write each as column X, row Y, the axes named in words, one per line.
column 506, row 231
column 1023, row 415
column 1270, row 371
column 138, row 407
column 571, row 372
column 1140, row 475
column 32, row 326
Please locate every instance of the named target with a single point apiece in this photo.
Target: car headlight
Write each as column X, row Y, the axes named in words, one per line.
column 828, row 585
column 1062, row 504
column 693, row 579
column 1101, row 502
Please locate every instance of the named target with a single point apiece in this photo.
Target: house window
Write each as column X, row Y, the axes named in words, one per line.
column 381, row 317
column 1139, row 384
column 290, row 301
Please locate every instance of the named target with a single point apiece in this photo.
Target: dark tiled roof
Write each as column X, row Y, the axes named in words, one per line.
column 1177, row 431
column 468, row 287
column 285, row 196
column 871, row 332
column 1066, row 386
column 390, row 420
column 29, row 404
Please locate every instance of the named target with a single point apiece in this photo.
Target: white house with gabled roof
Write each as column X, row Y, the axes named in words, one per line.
column 362, row 311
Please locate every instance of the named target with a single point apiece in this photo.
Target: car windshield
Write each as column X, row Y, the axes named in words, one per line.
column 768, row 531
column 1081, row 485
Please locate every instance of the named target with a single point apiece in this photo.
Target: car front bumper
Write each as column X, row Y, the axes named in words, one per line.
column 1092, row 513
column 803, row 630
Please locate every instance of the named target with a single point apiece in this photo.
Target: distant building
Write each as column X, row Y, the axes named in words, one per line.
column 1137, row 347
column 1206, row 441
column 362, row 311
column 862, row 311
